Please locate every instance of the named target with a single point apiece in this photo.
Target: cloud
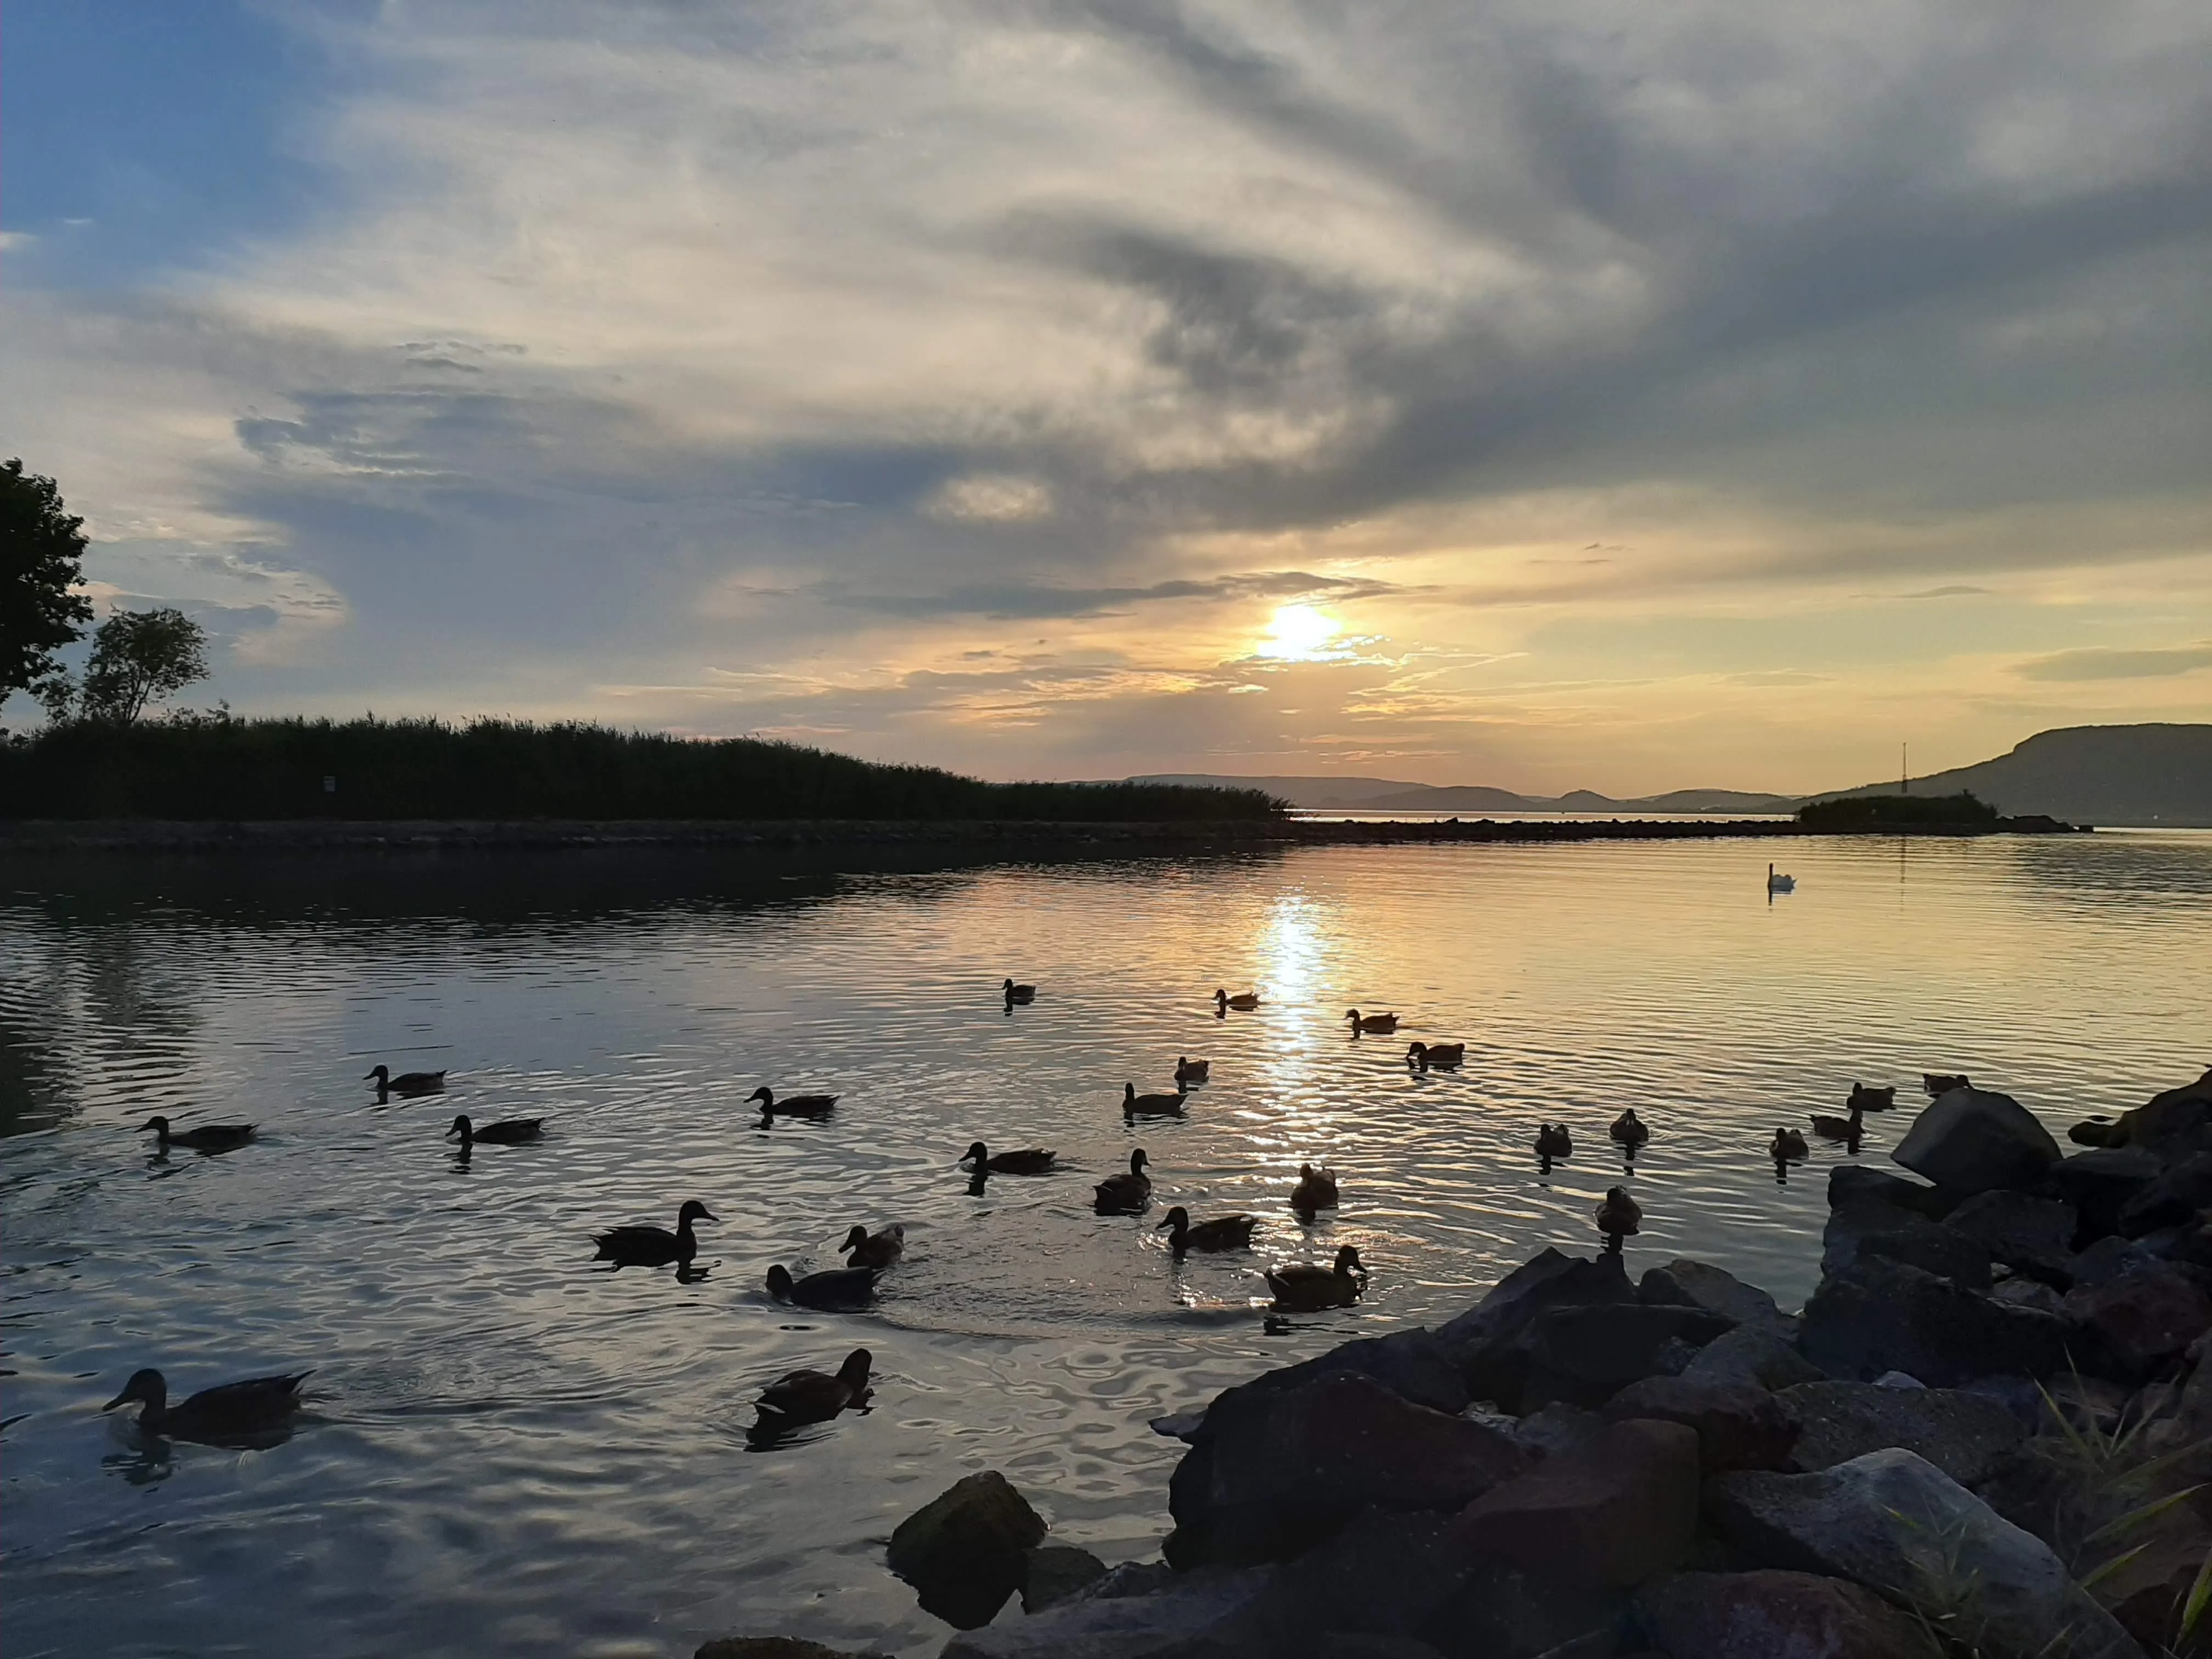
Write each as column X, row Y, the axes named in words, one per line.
column 2103, row 663
column 1016, row 600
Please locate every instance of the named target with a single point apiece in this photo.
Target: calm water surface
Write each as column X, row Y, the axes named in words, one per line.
column 511, row 1452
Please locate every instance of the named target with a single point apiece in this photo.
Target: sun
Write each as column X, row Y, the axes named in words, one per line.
column 1299, row 633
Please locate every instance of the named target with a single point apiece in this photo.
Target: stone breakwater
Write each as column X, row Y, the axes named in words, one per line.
column 1988, row 1432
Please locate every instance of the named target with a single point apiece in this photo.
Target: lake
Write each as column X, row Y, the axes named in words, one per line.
column 513, row 1451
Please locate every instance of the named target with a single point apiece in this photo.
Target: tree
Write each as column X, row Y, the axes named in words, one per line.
column 41, row 547
column 140, row 657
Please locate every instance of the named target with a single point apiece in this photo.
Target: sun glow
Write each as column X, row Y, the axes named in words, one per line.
column 1299, row 633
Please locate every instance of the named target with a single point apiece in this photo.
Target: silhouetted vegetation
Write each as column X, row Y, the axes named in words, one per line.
column 1875, row 811
column 41, row 555
column 139, row 658
column 216, row 766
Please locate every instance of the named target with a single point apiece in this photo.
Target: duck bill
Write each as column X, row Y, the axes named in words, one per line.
column 120, row 1399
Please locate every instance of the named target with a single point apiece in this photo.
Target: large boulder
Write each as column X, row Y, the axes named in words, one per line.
column 1867, row 1227
column 1880, row 1315
column 1052, row 1572
column 1615, row 1512
column 1490, row 1342
column 1502, row 1612
column 1971, row 1141
column 1849, row 1183
column 1739, row 1425
column 1754, row 1353
column 2099, row 1185
column 2182, row 1189
column 1584, row 1356
column 1685, row 1283
column 1967, row 1435
column 2141, row 1319
column 1276, row 1471
column 1178, row 1618
column 2031, row 1236
column 1896, row 1524
column 1772, row 1614
column 966, row 1550
column 1386, row 1574
column 776, row 1647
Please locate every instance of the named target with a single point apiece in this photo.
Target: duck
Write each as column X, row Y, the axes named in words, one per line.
column 1789, row 1147
column 877, row 1250
column 1129, row 1193
column 808, row 1396
column 1618, row 1215
column 1137, row 1105
column 1189, row 1071
column 1027, row 1161
column 1316, row 1191
column 1244, row 1002
column 407, row 1083
column 1303, row 1287
column 1629, row 1129
column 1872, row 1100
column 792, row 1105
column 1438, row 1056
column 1553, row 1141
column 201, row 1138
column 508, row 1132
column 835, row 1289
column 655, row 1247
column 1839, row 1128
column 1941, row 1083
column 256, row 1405
column 1380, row 1025
column 1222, row 1232
column 1014, row 992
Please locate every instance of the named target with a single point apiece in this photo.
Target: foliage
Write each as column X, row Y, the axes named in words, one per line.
column 216, row 766
column 140, row 657
column 1875, row 811
column 41, row 548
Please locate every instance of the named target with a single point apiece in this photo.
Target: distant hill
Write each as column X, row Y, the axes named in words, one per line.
column 1317, row 794
column 1385, row 795
column 2109, row 774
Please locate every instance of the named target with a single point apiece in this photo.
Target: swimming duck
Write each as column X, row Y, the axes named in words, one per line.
column 1137, row 1105
column 654, row 1247
column 805, row 1396
column 1629, row 1130
column 508, row 1132
column 1553, row 1141
column 203, row 1138
column 1029, row 1160
column 1382, row 1024
column 1618, row 1215
column 1789, row 1147
column 1941, row 1083
column 1244, row 1002
column 1126, row 1194
column 256, row 1405
column 1018, row 992
column 1222, row 1233
column 791, row 1106
column 1316, row 1191
column 1872, row 1100
column 879, row 1249
column 1189, row 1071
column 1438, row 1056
column 837, row 1290
column 1839, row 1128
column 1305, row 1287
column 407, row 1083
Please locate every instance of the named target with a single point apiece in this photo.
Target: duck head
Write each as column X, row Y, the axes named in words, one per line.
column 693, row 1210
column 764, row 1095
column 1137, row 1162
column 779, row 1282
column 1178, row 1218
column 1352, row 1014
column 978, row 1154
column 158, row 1126
column 1220, row 995
column 1417, row 1051
column 1348, row 1261
column 1008, row 987
column 854, row 1239
column 146, row 1387
column 1128, row 1093
column 381, row 1077
column 854, row 1373
column 462, row 1127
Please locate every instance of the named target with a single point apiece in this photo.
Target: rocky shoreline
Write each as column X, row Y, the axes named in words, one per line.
column 27, row 836
column 1988, row 1433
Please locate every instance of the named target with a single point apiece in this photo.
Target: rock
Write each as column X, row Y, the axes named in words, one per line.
column 1386, row 1574
column 2031, row 1236
column 1773, row 1614
column 966, row 1550
column 1870, row 1227
column 1754, row 1353
column 1685, row 1283
column 2174, row 1200
column 1850, row 1183
column 2027, row 1293
column 1503, row 1612
column 1972, row 1141
column 1739, row 1425
column 2141, row 1319
column 1896, row 1524
column 2112, row 1258
column 776, row 1647
column 1552, row 1430
column 1278, row 1471
column 2099, row 1185
column 1175, row 1620
column 1584, row 1356
column 1967, row 1435
column 1052, row 1572
column 1614, row 1513
column 1879, row 1316
column 1490, row 1342
column 1898, row 1380
column 2173, row 1124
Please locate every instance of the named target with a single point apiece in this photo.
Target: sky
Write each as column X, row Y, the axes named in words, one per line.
column 1541, row 394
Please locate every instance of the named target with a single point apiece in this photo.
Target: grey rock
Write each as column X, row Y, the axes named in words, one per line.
column 1505, row 1613
column 1870, row 1227
column 1967, row 1435
column 1691, row 1283
column 2141, row 1319
column 1584, row 1356
column 1739, row 1425
column 964, row 1552
column 1898, row 1380
column 777, row 1646
column 1850, row 1183
column 1172, row 1621
column 2027, row 1293
column 1896, row 1524
column 1558, row 1428
column 1490, row 1343
column 1774, row 1614
column 1386, row 1574
column 2031, row 1236
column 1879, row 1316
column 2112, row 1258
column 2181, row 1190
column 1613, row 1512
column 2099, row 1185
column 1051, row 1573
column 1973, row 1140
column 1753, row 1353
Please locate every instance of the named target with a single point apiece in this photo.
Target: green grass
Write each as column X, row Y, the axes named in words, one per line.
column 215, row 766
